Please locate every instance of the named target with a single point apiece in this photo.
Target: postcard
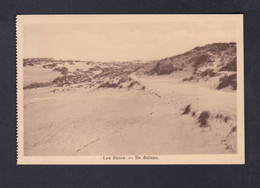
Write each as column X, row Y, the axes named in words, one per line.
column 130, row 89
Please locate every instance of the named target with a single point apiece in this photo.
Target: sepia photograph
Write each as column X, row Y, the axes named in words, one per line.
column 130, row 89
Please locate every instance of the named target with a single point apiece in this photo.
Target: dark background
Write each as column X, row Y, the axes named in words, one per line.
column 189, row 176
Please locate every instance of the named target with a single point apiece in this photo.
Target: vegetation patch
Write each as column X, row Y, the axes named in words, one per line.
column 188, row 79
column 108, row 85
column 37, row 85
column 200, row 60
column 124, row 79
column 226, row 81
column 231, row 66
column 219, row 116
column 62, row 70
column 132, row 84
column 96, row 68
column 36, row 61
column 234, row 129
column 226, row 119
column 186, row 110
column 222, row 118
column 112, row 72
column 163, row 68
column 217, row 48
column 208, row 72
column 203, row 119
column 71, row 79
column 50, row 65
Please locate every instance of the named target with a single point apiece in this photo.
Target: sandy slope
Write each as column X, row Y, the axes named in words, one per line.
column 120, row 121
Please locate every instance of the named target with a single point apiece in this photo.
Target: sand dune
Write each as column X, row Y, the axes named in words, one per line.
column 93, row 108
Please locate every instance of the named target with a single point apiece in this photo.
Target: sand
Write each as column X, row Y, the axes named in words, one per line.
column 106, row 121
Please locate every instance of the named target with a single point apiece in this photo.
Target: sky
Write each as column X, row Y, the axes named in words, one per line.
column 121, row 41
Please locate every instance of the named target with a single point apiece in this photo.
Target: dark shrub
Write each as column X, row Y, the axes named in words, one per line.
column 55, row 90
column 163, row 67
column 203, row 119
column 231, row 66
column 79, row 86
column 133, row 83
column 200, row 60
column 96, row 68
column 49, row 66
column 28, row 62
column 188, row 79
column 234, row 129
column 186, row 110
column 62, row 70
column 208, row 72
column 143, row 88
column 122, row 80
column 219, row 116
column 193, row 114
column 63, row 80
column 108, row 85
column 226, row 119
column 228, row 81
column 218, row 48
column 71, row 79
